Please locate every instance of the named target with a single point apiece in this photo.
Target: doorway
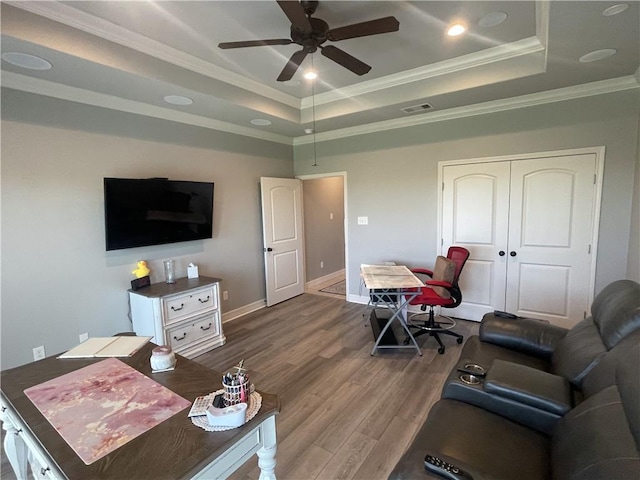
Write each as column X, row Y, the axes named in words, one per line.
column 325, row 215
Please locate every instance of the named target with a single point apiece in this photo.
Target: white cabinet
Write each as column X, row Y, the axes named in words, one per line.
column 185, row 315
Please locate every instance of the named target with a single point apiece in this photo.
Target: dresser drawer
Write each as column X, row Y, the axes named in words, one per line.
column 194, row 303
column 192, row 331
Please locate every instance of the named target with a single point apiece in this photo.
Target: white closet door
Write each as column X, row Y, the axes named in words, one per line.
column 475, row 213
column 550, row 227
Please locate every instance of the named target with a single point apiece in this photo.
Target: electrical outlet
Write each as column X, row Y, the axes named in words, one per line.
column 83, row 337
column 38, row 353
column 321, row 264
column 363, row 220
column 225, row 295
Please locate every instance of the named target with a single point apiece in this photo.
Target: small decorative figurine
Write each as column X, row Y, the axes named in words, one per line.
column 142, row 270
column 142, row 276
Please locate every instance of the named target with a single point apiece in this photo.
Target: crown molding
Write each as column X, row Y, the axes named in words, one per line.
column 500, row 53
column 551, row 96
column 38, row 86
column 98, row 27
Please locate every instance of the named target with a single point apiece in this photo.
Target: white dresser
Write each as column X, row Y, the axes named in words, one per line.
column 185, row 315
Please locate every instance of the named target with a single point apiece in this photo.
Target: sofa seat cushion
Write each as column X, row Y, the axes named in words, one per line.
column 479, row 442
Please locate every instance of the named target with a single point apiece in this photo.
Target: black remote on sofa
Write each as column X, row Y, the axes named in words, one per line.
column 447, row 470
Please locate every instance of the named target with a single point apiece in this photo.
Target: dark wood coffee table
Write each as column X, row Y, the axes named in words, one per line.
column 173, row 449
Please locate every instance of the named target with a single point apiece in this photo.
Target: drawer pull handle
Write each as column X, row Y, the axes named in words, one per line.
column 207, row 328
column 177, row 309
column 205, row 300
column 43, row 471
column 184, row 335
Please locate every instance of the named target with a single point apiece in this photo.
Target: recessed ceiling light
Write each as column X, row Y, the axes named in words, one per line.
column 492, row 19
column 597, row 55
column 25, row 60
column 292, row 83
column 308, row 130
column 310, row 75
column 178, row 100
column 456, row 29
column 261, row 121
column 616, row 9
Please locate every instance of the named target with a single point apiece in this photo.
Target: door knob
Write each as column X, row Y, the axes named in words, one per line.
column 268, row 249
column 512, row 253
column 501, row 253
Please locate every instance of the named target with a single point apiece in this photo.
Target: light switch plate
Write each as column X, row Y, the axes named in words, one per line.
column 363, row 220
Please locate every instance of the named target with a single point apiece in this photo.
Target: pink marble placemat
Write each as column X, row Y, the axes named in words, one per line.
column 99, row 408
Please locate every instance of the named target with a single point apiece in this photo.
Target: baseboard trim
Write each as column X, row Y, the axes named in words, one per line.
column 244, row 310
column 316, row 282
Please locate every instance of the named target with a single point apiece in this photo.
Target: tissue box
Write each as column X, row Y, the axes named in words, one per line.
column 192, row 271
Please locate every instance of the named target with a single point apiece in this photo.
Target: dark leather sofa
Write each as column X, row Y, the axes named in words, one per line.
column 552, row 403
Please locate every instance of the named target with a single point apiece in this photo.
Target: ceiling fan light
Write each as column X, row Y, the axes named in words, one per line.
column 310, row 75
column 456, row 29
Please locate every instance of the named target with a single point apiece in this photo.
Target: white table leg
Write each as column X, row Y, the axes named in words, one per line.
column 14, row 446
column 267, row 454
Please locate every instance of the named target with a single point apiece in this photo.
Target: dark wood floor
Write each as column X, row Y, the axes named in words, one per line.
column 345, row 414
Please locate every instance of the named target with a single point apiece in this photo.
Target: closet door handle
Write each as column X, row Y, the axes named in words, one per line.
column 512, row 253
column 501, row 253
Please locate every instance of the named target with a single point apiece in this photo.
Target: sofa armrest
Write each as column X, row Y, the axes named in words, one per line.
column 526, row 385
column 526, row 335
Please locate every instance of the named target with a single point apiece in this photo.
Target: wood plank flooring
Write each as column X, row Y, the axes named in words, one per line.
column 345, row 414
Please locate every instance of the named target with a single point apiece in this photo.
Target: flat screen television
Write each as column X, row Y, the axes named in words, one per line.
column 156, row 211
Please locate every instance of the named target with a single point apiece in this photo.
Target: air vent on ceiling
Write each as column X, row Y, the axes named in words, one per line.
column 417, row 108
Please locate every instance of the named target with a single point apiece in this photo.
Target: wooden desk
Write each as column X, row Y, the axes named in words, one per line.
column 173, row 449
column 394, row 286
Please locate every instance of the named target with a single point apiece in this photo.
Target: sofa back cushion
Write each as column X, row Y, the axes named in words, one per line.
column 603, row 375
column 578, row 352
column 600, row 438
column 616, row 311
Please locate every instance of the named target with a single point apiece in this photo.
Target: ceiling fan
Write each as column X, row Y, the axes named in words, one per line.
column 310, row 33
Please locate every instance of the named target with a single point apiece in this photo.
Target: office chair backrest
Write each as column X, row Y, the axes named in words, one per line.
column 459, row 255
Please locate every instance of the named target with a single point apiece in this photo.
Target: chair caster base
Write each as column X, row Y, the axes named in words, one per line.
column 460, row 340
column 441, row 350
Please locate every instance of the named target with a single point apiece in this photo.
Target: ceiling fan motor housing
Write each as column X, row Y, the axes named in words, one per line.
column 311, row 40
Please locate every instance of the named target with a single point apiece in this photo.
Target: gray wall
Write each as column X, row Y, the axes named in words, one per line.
column 633, row 271
column 57, row 279
column 323, row 236
column 392, row 175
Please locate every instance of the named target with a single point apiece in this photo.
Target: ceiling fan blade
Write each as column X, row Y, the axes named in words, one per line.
column 343, row 58
column 372, row 27
column 296, row 15
column 292, row 65
column 255, row 43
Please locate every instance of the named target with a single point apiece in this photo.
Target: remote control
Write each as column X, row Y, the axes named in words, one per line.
column 200, row 405
column 445, row 469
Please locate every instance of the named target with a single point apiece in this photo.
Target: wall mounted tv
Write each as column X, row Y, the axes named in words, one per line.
column 156, row 211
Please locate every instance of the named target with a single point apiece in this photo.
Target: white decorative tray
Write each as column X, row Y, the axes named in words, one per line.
column 253, row 407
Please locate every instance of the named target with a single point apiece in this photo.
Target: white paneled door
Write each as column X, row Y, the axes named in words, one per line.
column 529, row 226
column 283, row 238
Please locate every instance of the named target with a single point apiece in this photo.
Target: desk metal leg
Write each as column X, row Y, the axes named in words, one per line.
column 397, row 314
